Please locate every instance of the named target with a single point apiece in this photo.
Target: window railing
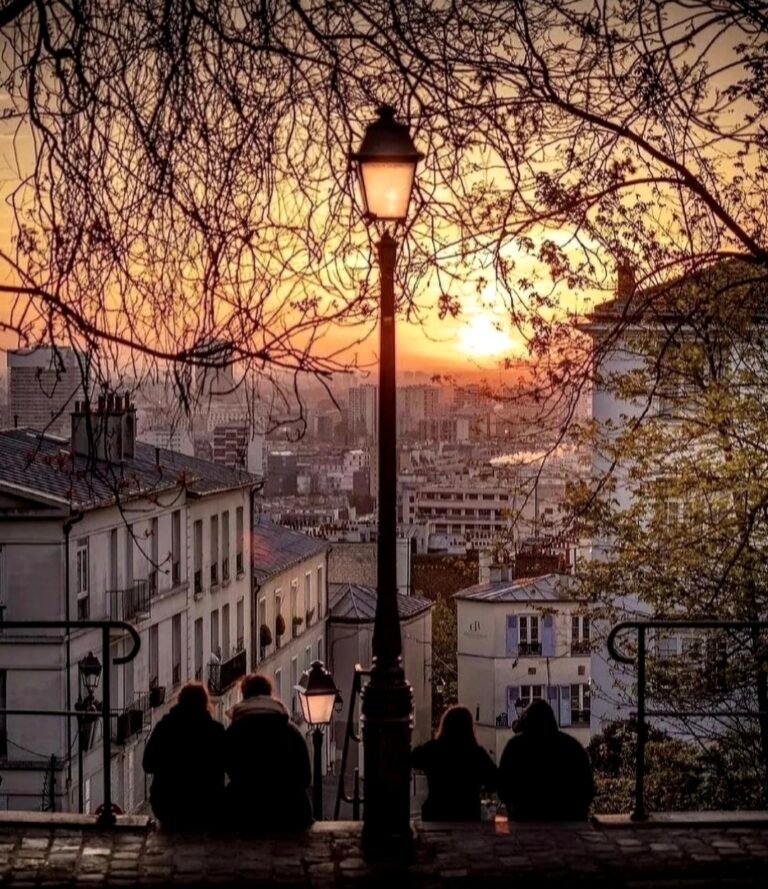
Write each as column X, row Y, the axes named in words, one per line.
column 133, row 720
column 239, row 564
column 214, row 573
column 176, row 677
column 199, row 674
column 529, row 648
column 580, row 648
column 131, row 604
column 83, row 606
column 639, row 659
column 580, row 717
column 223, row 676
column 198, row 582
column 225, row 569
column 103, row 709
column 176, row 573
column 152, row 581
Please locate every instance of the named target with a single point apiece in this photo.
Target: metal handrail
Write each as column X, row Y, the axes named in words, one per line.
column 639, row 813
column 107, row 816
column 350, row 735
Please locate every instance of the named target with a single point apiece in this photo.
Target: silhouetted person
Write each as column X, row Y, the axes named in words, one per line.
column 457, row 767
column 185, row 756
column 267, row 762
column 544, row 774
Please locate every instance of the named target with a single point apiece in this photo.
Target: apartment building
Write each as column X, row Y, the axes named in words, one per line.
column 101, row 528
column 44, row 384
column 363, row 412
column 290, row 604
column 519, row 640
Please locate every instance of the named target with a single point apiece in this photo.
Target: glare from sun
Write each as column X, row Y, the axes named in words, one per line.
column 482, row 336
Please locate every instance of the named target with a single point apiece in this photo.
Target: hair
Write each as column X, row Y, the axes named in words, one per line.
column 194, row 696
column 457, row 726
column 539, row 718
column 255, row 684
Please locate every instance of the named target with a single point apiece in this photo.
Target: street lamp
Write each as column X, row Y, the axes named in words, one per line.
column 386, row 166
column 317, row 694
column 89, row 669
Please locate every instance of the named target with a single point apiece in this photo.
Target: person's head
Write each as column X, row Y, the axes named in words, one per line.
column 194, row 698
column 538, row 718
column 255, row 684
column 457, row 726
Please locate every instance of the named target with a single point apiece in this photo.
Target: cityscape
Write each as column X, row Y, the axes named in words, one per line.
column 382, row 443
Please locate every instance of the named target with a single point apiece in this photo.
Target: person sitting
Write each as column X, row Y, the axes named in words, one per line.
column 185, row 756
column 545, row 774
column 267, row 761
column 457, row 767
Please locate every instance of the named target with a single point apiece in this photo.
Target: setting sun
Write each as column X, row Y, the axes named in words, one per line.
column 483, row 336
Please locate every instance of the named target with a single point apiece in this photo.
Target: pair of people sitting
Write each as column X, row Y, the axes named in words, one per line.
column 262, row 752
column 544, row 774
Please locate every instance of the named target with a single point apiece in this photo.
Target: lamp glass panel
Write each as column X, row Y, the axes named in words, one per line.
column 319, row 708
column 387, row 187
column 303, row 704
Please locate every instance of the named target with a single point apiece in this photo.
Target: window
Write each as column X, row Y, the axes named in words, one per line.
column 154, row 655
column 215, row 649
column 279, row 619
column 666, row 645
column 87, row 796
column 320, row 592
column 309, row 603
column 294, row 683
column 154, row 550
column 114, row 576
column 307, row 657
column 225, row 646
column 295, row 616
column 129, row 557
column 176, row 649
column 3, row 705
column 82, row 580
column 214, row 550
column 176, row 547
column 240, row 624
column 579, row 634
column 279, row 684
column 580, row 704
column 319, row 649
column 530, row 693
column 199, row 649
column 240, row 567
column 225, row 546
column 262, row 623
column 529, row 639
column 197, row 542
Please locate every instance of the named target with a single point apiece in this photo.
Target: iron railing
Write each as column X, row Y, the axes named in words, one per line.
column 224, row 675
column 107, row 816
column 131, row 604
column 639, row 812
column 351, row 736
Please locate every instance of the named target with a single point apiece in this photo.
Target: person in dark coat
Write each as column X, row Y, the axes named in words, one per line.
column 267, row 762
column 457, row 767
column 545, row 774
column 185, row 756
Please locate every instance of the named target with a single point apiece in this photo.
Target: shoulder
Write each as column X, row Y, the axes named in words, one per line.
column 572, row 746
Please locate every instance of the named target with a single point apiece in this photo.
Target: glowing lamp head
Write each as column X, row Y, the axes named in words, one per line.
column 90, row 671
column 317, row 695
column 386, row 165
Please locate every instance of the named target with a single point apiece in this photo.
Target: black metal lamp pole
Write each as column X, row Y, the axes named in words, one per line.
column 387, row 162
column 317, row 772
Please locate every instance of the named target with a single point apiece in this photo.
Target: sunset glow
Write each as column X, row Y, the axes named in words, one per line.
column 484, row 336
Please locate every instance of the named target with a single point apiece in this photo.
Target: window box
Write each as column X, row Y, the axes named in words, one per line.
column 157, row 696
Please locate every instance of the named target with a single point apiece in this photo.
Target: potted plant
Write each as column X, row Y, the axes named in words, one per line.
column 310, row 615
column 156, row 695
column 279, row 625
column 265, row 636
column 296, row 622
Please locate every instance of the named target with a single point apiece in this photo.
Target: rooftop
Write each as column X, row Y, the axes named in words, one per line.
column 356, row 603
column 276, row 548
column 545, row 588
column 36, row 463
column 330, row 854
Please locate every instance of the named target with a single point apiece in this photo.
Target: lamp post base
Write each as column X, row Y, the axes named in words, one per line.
column 387, row 717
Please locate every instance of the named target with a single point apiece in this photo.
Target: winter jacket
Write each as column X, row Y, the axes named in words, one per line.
column 267, row 762
column 454, row 779
column 545, row 776
column 185, row 756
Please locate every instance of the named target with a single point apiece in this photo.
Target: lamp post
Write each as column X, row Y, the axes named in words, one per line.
column 89, row 669
column 317, row 694
column 386, row 165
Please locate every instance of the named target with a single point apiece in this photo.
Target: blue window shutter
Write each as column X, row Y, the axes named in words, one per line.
column 548, row 636
column 565, row 705
column 513, row 693
column 511, row 635
column 552, row 698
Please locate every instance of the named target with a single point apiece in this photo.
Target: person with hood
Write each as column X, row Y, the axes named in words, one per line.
column 185, row 756
column 545, row 774
column 267, row 762
column 457, row 767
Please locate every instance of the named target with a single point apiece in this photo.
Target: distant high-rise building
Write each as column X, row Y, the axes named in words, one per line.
column 363, row 416
column 282, row 474
column 44, row 384
column 235, row 446
column 416, row 403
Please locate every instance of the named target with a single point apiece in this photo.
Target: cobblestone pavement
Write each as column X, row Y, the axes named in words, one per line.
column 330, row 855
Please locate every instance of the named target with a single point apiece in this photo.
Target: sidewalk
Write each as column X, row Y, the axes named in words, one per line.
column 445, row 855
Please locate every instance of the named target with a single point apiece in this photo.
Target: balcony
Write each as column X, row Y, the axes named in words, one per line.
column 132, row 604
column 580, row 717
column 529, row 649
column 133, row 720
column 581, row 649
column 223, row 676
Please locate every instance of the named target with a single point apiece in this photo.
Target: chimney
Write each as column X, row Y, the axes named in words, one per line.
column 625, row 280
column 107, row 433
column 498, row 573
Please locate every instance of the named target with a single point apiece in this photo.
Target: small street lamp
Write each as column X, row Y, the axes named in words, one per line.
column 90, row 670
column 386, row 166
column 317, row 695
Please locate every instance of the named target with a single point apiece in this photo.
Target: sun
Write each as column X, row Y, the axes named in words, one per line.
column 482, row 336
